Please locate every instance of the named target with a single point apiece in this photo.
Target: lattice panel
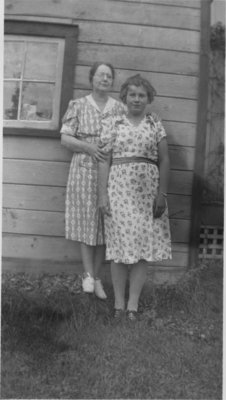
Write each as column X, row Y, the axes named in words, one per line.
column 211, row 242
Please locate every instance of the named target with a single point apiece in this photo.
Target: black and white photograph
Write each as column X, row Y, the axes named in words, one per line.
column 112, row 199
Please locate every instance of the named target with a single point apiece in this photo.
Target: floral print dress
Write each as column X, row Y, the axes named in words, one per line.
column 131, row 232
column 83, row 120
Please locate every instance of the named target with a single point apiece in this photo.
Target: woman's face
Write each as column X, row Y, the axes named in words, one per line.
column 102, row 79
column 136, row 99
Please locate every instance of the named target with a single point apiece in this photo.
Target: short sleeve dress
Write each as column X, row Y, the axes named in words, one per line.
column 83, row 120
column 131, row 232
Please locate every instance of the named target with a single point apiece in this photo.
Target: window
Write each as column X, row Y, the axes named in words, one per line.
column 39, row 63
column 32, row 81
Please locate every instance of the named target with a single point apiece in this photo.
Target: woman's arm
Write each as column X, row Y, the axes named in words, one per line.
column 74, row 144
column 103, row 173
column 164, row 165
column 79, row 146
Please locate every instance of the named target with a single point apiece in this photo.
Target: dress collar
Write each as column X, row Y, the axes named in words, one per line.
column 108, row 106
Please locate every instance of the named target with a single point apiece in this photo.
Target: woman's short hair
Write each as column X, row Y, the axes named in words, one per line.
column 96, row 65
column 137, row 80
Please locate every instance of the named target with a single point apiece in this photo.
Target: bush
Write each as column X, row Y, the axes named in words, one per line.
column 217, row 37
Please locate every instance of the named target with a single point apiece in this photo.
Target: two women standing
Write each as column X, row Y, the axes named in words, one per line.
column 119, row 170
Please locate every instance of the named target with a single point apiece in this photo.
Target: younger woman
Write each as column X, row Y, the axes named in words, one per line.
column 133, row 193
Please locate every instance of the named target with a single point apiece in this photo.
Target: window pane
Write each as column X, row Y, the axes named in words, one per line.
column 11, row 100
column 37, row 101
column 13, row 59
column 41, row 61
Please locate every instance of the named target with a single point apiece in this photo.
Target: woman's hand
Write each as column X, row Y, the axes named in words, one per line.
column 95, row 151
column 104, row 205
column 159, row 205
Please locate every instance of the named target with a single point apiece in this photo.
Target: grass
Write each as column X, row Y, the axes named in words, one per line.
column 58, row 343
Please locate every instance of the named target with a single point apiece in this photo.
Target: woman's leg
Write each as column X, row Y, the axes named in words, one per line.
column 137, row 279
column 87, row 253
column 119, row 274
column 99, row 256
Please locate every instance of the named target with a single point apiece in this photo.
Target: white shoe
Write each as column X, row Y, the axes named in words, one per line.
column 98, row 289
column 88, row 284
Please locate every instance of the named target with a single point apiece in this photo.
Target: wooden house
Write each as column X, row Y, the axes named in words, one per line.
column 49, row 48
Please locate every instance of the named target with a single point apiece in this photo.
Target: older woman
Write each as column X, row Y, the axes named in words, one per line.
column 82, row 124
column 134, row 200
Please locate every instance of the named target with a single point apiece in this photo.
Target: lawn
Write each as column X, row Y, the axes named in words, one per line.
column 58, row 343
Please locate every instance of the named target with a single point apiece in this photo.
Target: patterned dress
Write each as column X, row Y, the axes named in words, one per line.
column 83, row 120
column 131, row 232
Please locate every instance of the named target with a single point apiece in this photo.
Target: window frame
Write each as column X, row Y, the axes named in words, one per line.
column 52, row 30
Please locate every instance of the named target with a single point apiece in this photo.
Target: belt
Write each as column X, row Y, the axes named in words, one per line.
column 126, row 160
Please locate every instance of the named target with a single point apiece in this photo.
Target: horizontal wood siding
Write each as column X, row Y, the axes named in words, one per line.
column 46, row 198
column 158, row 38
column 52, row 173
column 181, row 110
column 182, row 157
column 177, row 3
column 62, row 250
column 143, row 36
column 152, row 14
column 51, row 223
column 140, row 59
column 167, row 85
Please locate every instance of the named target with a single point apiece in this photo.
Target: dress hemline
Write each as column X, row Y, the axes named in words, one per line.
column 85, row 242
column 117, row 260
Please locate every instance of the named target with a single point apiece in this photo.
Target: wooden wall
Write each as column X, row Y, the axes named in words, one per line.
column 158, row 38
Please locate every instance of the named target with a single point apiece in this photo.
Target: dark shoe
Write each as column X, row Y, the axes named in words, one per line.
column 132, row 315
column 118, row 313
